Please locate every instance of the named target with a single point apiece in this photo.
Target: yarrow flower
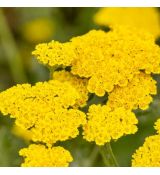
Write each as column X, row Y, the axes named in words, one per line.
column 36, row 107
column 105, row 124
column 108, row 59
column 113, row 58
column 130, row 16
column 41, row 156
column 119, row 62
column 137, row 94
column 148, row 154
column 54, row 53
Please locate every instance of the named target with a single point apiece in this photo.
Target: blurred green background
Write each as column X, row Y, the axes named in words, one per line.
column 20, row 30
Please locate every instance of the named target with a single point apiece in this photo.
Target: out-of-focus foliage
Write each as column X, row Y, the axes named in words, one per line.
column 21, row 30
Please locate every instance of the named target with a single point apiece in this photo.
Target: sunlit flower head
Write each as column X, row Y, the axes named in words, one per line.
column 41, row 156
column 105, row 124
column 44, row 109
column 137, row 94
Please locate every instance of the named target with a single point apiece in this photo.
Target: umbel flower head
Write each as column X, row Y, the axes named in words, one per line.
column 148, row 154
column 106, row 59
column 41, row 156
column 105, row 124
column 137, row 94
column 44, row 109
column 55, row 53
column 135, row 17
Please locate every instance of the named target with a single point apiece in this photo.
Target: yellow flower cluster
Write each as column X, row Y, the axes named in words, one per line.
column 36, row 107
column 105, row 124
column 54, row 53
column 113, row 58
column 137, row 94
column 78, row 83
column 148, row 154
column 141, row 18
column 46, row 111
column 106, row 59
column 40, row 156
column 119, row 62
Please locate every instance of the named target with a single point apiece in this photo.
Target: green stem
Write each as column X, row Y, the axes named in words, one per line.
column 108, row 156
column 94, row 154
column 11, row 51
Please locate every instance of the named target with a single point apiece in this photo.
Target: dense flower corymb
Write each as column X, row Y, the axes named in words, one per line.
column 54, row 53
column 107, row 59
column 36, row 107
column 105, row 124
column 113, row 58
column 40, row 156
column 148, row 154
column 137, row 94
column 130, row 16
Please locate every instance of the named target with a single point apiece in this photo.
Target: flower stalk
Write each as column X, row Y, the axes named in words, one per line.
column 108, row 156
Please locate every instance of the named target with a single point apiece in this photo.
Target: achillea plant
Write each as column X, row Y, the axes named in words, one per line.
column 116, row 65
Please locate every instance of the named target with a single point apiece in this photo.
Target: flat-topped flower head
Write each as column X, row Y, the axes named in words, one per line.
column 54, row 53
column 137, row 94
column 45, row 109
column 113, row 58
column 105, row 124
column 148, row 154
column 41, row 156
column 80, row 84
column 141, row 18
column 106, row 59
